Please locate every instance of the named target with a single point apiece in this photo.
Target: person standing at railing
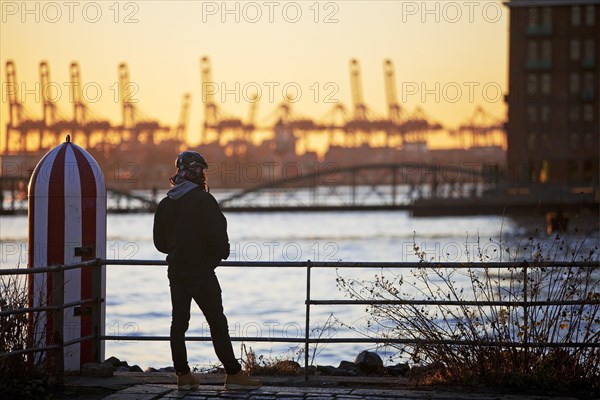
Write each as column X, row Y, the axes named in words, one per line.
column 191, row 229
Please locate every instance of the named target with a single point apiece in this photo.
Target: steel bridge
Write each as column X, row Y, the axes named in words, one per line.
column 13, row 198
column 377, row 186
column 328, row 187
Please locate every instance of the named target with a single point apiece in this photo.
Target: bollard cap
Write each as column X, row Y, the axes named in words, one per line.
column 67, row 170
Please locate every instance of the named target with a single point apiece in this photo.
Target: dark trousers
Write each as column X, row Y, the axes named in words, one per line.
column 206, row 292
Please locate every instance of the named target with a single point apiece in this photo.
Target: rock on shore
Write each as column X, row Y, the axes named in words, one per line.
column 366, row 363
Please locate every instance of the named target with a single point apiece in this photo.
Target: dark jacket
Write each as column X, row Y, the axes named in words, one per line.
column 192, row 230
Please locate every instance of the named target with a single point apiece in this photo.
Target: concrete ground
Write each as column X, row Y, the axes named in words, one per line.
column 161, row 386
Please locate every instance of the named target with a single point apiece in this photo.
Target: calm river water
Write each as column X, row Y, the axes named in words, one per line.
column 270, row 302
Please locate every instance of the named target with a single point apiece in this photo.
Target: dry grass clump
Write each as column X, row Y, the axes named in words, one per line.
column 512, row 345
column 13, row 327
column 20, row 374
column 260, row 365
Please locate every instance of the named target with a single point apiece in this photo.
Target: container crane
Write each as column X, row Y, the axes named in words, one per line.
column 84, row 119
column 79, row 107
column 181, row 128
column 359, row 121
column 125, row 96
column 133, row 120
column 483, row 128
column 15, row 108
column 48, row 105
column 210, row 107
column 215, row 119
column 19, row 120
column 54, row 121
column 334, row 121
column 360, row 109
column 393, row 121
column 250, row 126
column 390, row 92
column 417, row 126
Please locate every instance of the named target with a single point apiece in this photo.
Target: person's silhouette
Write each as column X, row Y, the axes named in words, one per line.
column 191, row 229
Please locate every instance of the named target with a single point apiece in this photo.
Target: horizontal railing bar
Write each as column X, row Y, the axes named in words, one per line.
column 78, row 303
column 447, row 265
column 28, row 309
column 313, row 264
column 358, row 340
column 281, row 264
column 30, row 350
column 368, row 264
column 79, row 340
column 47, row 308
column 453, row 342
column 455, row 302
column 133, row 262
column 51, row 268
column 202, row 339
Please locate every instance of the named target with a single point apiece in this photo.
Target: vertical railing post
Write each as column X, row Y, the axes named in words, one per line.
column 394, row 186
column 525, row 315
column 353, row 200
column 307, row 320
column 96, row 308
column 58, row 289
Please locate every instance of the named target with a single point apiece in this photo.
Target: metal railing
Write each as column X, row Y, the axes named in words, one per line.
column 58, row 305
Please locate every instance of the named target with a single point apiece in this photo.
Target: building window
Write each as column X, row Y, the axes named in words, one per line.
column 588, row 141
column 589, row 53
column 573, row 141
column 590, row 15
column 573, row 170
column 545, row 114
column 587, row 92
column 588, row 171
column 546, row 50
column 534, row 16
column 545, row 140
column 532, row 84
column 575, row 49
column 546, row 84
column 547, row 16
column 588, row 50
column 574, row 83
column 531, row 141
column 545, row 171
column 575, row 15
column 574, row 113
column 588, row 112
column 531, row 114
column 531, row 171
column 532, row 50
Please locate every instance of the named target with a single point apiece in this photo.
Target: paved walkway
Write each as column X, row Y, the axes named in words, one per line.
column 170, row 392
column 161, row 386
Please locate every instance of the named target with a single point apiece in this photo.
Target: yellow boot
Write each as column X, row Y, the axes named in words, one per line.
column 187, row 381
column 241, row 381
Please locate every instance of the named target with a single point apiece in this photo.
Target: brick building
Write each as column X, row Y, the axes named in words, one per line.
column 553, row 127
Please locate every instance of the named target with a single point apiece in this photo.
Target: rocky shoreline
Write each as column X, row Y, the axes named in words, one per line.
column 367, row 363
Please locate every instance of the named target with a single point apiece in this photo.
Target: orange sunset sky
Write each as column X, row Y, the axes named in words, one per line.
column 441, row 46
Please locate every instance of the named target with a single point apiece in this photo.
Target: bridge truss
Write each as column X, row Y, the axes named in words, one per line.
column 366, row 187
